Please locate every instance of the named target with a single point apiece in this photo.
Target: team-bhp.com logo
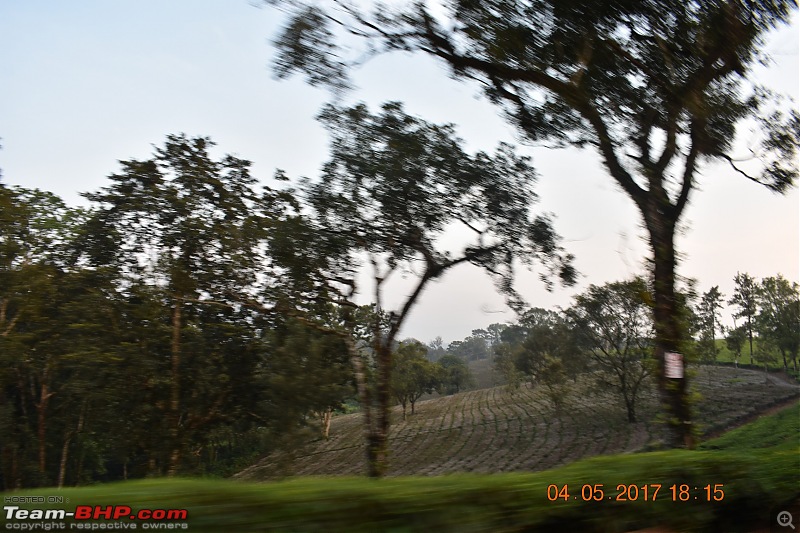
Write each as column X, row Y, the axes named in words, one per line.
column 95, row 517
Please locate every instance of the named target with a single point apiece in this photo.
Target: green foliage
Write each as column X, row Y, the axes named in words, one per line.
column 505, row 365
column 394, row 183
column 735, row 340
column 550, row 347
column 140, row 337
column 304, row 371
column 187, row 237
column 455, row 375
column 412, row 374
column 614, row 321
column 778, row 321
column 542, row 348
column 471, row 348
column 744, row 297
column 709, row 317
column 54, row 341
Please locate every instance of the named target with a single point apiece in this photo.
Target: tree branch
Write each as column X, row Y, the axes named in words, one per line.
column 688, row 173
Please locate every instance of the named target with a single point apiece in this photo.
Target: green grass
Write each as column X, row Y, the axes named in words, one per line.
column 756, row 465
column 726, row 356
column 778, row 432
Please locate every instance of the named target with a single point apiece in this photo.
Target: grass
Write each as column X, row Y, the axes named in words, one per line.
column 777, row 432
column 756, row 466
column 726, row 356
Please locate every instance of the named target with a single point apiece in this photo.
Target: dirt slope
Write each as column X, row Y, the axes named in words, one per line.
column 499, row 430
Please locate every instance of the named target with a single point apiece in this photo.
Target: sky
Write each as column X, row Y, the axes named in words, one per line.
column 87, row 83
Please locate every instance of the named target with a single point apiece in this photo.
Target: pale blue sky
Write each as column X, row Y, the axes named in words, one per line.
column 86, row 83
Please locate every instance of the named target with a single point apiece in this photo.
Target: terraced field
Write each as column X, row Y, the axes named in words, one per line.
column 500, row 430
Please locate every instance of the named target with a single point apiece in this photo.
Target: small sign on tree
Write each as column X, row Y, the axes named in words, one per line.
column 673, row 365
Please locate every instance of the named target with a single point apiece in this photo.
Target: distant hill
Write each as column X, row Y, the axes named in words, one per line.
column 501, row 430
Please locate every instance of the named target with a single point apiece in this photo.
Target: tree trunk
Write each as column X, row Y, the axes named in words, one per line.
column 365, row 399
column 152, row 465
column 9, row 469
column 379, row 443
column 631, row 408
column 62, row 467
column 175, row 392
column 326, row 422
column 673, row 391
column 41, row 418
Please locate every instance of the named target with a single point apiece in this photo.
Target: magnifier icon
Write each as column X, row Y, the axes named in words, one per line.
column 785, row 519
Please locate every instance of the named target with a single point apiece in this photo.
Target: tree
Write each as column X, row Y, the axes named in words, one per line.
column 393, row 185
column 549, row 349
column 455, row 375
column 734, row 341
column 779, row 317
column 709, row 318
column 554, row 379
column 412, row 374
column 505, row 365
column 305, row 372
column 472, row 348
column 656, row 88
column 745, row 297
column 183, row 230
column 54, row 339
column 436, row 349
column 616, row 324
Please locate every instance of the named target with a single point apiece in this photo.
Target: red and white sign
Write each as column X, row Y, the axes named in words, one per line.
column 673, row 365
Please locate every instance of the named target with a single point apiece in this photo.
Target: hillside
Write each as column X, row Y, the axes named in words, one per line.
column 499, row 430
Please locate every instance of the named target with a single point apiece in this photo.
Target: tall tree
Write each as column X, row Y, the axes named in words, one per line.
column 392, row 187
column 615, row 322
column 779, row 317
column 183, row 224
column 708, row 312
column 745, row 297
column 656, row 88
